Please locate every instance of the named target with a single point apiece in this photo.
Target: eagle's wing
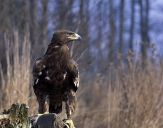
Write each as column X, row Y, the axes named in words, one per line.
column 40, row 71
column 73, row 74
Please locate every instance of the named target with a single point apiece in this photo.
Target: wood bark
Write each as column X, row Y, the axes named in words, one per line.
column 144, row 28
column 132, row 25
column 112, row 31
column 121, row 27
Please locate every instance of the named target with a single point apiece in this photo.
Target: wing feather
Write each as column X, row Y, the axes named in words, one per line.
column 39, row 71
column 73, row 72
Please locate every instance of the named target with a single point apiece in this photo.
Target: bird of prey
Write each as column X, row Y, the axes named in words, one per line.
column 56, row 75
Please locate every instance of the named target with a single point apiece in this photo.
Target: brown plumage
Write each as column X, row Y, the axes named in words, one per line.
column 56, row 75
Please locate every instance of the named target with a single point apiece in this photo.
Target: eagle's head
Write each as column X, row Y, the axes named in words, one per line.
column 64, row 36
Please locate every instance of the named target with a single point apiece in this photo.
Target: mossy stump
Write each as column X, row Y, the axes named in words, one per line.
column 17, row 117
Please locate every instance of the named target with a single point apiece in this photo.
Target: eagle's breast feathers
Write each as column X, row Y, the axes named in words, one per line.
column 57, row 69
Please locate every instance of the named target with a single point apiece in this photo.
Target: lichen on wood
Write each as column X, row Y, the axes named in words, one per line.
column 17, row 117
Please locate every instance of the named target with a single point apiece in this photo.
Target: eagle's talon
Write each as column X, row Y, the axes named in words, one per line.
column 69, row 122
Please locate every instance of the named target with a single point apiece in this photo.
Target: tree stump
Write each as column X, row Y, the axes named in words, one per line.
column 17, row 117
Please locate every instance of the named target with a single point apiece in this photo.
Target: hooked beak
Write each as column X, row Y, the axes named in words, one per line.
column 74, row 37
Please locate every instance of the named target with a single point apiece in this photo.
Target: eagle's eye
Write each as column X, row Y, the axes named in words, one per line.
column 69, row 34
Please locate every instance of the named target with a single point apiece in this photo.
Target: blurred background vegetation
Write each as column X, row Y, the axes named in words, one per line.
column 120, row 57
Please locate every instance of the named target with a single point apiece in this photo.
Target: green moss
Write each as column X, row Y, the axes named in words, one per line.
column 18, row 117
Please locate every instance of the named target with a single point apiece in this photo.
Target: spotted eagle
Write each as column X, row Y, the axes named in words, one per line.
column 56, row 75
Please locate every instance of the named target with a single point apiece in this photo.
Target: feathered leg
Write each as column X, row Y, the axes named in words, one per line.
column 42, row 107
column 41, row 97
column 55, row 107
column 70, row 103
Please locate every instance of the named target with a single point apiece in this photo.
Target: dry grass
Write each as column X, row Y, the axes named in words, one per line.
column 124, row 97
column 16, row 79
column 132, row 99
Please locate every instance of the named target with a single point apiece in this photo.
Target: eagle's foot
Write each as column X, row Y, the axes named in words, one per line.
column 69, row 114
column 69, row 123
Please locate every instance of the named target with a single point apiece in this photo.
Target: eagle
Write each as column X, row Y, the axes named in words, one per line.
column 56, row 75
